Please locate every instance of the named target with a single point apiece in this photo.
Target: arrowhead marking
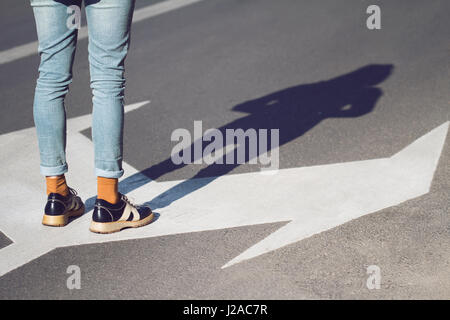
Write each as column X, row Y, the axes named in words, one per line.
column 412, row 168
column 320, row 197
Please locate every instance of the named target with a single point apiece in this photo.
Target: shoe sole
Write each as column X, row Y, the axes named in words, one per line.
column 61, row 220
column 111, row 227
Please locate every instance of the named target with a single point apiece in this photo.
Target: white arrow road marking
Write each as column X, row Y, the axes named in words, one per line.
column 153, row 10
column 310, row 199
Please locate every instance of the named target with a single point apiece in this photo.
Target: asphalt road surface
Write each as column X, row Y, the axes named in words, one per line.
column 337, row 91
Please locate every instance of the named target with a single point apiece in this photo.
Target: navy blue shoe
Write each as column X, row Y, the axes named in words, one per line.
column 108, row 217
column 59, row 208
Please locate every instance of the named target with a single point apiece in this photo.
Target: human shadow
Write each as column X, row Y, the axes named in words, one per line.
column 293, row 111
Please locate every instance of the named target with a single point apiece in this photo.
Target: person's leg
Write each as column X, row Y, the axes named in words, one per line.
column 109, row 23
column 57, row 44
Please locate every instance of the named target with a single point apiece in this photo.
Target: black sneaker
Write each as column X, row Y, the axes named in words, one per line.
column 109, row 218
column 59, row 208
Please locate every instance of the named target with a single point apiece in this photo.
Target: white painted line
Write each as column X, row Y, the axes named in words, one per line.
column 28, row 49
column 160, row 8
column 18, row 52
column 85, row 121
column 310, row 199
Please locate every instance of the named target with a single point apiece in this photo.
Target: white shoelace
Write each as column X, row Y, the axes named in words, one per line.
column 130, row 201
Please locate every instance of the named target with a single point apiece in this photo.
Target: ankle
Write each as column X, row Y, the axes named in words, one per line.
column 57, row 184
column 107, row 189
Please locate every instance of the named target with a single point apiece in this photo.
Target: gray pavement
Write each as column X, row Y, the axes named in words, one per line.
column 201, row 61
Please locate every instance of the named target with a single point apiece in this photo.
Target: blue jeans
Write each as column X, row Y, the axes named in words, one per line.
column 109, row 23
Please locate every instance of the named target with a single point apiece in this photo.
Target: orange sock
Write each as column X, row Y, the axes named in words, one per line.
column 57, row 184
column 107, row 189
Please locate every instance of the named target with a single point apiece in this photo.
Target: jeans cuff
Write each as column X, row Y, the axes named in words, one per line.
column 54, row 171
column 108, row 174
